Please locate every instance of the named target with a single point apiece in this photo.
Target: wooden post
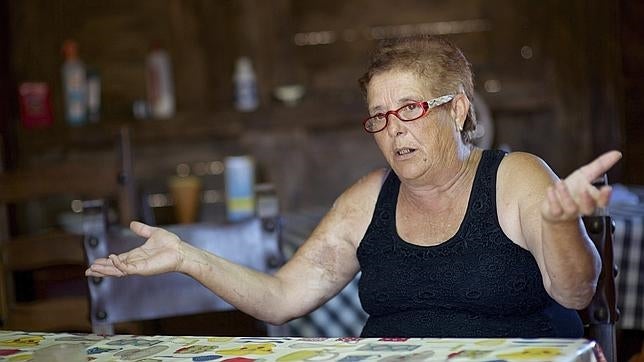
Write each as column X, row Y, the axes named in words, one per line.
column 127, row 200
column 7, row 142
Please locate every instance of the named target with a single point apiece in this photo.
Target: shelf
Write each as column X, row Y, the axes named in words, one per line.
column 104, row 134
column 192, row 126
column 59, row 178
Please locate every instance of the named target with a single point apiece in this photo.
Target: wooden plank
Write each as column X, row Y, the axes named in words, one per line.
column 43, row 250
column 96, row 137
column 80, row 179
column 63, row 314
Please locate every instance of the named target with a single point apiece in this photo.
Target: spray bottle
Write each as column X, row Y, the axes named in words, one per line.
column 246, row 99
column 160, row 85
column 74, row 85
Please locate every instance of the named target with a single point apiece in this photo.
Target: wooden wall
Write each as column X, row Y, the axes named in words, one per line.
column 8, row 97
column 632, row 56
column 550, row 72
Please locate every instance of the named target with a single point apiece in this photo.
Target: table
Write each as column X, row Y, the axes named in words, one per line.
column 19, row 346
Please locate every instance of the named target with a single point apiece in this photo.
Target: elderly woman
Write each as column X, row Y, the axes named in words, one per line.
column 452, row 240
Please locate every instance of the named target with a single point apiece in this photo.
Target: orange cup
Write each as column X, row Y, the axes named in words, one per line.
column 186, row 195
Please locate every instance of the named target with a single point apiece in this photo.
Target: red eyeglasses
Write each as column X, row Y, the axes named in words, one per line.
column 406, row 113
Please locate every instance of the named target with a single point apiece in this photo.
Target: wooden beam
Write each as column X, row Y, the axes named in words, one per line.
column 81, row 179
column 38, row 251
column 7, row 93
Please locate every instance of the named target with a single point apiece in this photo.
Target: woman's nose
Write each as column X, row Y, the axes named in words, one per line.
column 394, row 125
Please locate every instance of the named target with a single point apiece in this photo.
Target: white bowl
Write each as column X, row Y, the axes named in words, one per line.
column 289, row 94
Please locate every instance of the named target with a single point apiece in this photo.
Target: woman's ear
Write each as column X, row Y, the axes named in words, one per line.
column 460, row 108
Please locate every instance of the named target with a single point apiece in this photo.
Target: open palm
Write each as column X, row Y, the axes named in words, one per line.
column 161, row 253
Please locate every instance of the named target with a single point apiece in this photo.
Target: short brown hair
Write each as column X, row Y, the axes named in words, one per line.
column 435, row 60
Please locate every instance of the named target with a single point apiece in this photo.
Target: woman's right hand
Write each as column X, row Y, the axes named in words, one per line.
column 161, row 253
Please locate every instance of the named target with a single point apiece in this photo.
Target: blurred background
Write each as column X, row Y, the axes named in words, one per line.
column 560, row 79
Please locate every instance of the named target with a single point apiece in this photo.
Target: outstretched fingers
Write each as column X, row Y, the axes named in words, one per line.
column 123, row 266
column 554, row 206
column 600, row 165
column 566, row 200
column 103, row 267
column 561, row 204
column 604, row 195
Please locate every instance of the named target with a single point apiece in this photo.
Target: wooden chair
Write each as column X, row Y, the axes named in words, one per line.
column 57, row 252
column 602, row 314
column 253, row 243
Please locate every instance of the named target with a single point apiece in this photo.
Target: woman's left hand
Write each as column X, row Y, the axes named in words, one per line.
column 575, row 195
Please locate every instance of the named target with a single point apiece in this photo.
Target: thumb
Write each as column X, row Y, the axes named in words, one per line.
column 141, row 229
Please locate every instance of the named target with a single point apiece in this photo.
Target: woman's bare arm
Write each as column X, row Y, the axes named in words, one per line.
column 548, row 214
column 320, row 268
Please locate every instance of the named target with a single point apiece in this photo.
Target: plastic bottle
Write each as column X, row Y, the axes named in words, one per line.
column 239, row 179
column 159, row 84
column 93, row 95
column 246, row 99
column 74, row 85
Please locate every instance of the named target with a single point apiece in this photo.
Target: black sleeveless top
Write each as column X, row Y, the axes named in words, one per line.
column 476, row 284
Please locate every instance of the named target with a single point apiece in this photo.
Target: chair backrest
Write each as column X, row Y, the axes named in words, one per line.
column 64, row 304
column 35, row 254
column 601, row 314
column 253, row 243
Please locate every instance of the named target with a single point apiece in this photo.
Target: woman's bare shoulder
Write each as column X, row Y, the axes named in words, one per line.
column 523, row 172
column 352, row 211
column 522, row 159
column 366, row 189
column 525, row 163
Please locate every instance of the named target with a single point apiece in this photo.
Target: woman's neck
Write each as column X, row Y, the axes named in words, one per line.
column 452, row 182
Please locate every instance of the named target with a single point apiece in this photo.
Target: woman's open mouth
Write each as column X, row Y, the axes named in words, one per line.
column 404, row 151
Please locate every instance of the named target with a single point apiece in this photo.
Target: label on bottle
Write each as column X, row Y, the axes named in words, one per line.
column 75, row 93
column 246, row 95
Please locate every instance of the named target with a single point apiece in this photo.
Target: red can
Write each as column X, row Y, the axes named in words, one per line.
column 35, row 105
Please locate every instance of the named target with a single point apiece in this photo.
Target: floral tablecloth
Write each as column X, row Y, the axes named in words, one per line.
column 19, row 346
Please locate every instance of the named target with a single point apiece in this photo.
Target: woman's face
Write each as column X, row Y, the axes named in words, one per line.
column 413, row 148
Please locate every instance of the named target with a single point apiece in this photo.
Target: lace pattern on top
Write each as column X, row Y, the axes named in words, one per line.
column 476, row 284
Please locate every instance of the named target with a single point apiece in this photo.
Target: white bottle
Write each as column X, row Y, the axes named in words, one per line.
column 74, row 85
column 159, row 84
column 246, row 99
column 93, row 96
column 239, row 180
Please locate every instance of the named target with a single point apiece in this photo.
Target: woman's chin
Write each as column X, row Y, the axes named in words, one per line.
column 407, row 170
